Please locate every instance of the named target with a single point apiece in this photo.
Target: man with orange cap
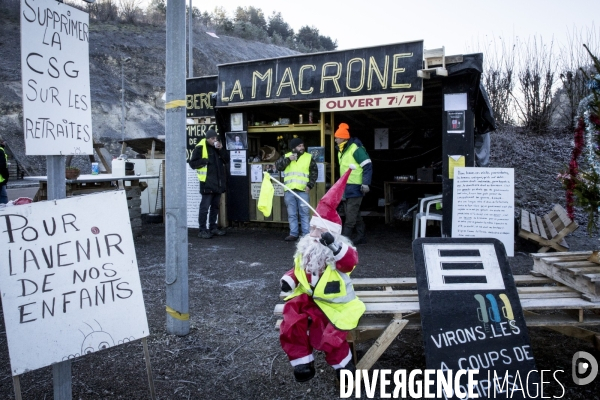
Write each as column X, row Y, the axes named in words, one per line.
column 352, row 151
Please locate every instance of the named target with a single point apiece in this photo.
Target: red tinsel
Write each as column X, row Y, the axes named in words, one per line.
column 574, row 166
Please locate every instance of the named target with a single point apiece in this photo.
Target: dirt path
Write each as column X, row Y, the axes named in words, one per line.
column 233, row 351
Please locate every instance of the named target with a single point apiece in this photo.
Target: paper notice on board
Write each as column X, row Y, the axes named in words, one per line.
column 256, row 173
column 321, row 176
column 453, row 162
column 238, row 162
column 483, row 204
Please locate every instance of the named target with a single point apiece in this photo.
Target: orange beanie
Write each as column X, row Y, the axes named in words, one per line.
column 342, row 131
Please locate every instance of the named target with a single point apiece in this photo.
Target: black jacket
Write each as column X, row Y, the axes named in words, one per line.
column 3, row 166
column 216, row 174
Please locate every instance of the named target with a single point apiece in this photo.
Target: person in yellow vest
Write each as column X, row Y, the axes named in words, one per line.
column 322, row 306
column 300, row 174
column 351, row 151
column 209, row 159
column 3, row 173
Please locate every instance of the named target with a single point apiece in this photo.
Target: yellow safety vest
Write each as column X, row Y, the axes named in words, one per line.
column 345, row 159
column 201, row 172
column 2, row 179
column 340, row 304
column 295, row 175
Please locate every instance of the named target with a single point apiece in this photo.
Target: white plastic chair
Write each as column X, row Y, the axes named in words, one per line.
column 425, row 215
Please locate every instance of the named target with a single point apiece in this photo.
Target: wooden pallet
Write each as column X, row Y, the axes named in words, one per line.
column 392, row 304
column 571, row 269
column 549, row 231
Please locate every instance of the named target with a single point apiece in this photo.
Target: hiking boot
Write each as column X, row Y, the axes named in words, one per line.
column 205, row 235
column 304, row 372
column 359, row 240
column 217, row 232
column 291, row 238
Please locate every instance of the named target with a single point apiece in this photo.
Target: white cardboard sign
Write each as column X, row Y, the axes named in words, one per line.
column 57, row 113
column 484, row 204
column 69, row 279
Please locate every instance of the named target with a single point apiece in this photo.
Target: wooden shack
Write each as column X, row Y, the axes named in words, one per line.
column 412, row 109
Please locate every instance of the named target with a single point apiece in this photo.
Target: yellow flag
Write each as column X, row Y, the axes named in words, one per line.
column 265, row 200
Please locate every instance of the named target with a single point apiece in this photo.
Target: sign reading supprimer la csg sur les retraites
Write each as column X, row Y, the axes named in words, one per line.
column 69, row 279
column 57, row 115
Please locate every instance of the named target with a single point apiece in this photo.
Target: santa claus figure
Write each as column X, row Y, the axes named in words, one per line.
column 322, row 307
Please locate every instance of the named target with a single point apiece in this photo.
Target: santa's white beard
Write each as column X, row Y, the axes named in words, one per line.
column 315, row 256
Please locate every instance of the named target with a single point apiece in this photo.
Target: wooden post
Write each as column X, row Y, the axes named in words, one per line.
column 17, row 387
column 149, row 369
column 61, row 378
column 382, row 342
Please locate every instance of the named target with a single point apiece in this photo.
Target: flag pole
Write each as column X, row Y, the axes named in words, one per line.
column 300, row 198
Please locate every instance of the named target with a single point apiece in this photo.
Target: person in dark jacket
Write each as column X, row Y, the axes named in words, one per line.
column 209, row 159
column 350, row 150
column 3, row 173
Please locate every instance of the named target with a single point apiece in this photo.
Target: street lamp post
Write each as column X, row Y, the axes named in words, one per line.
column 123, row 61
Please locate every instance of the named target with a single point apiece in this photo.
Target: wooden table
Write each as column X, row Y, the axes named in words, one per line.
column 392, row 304
column 388, row 192
column 87, row 184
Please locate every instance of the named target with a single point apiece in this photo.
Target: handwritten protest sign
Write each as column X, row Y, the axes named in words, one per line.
column 69, row 279
column 472, row 317
column 57, row 114
column 484, row 205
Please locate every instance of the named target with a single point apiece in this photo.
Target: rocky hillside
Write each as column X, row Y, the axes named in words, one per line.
column 144, row 79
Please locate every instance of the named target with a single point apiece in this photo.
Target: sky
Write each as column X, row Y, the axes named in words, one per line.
column 461, row 26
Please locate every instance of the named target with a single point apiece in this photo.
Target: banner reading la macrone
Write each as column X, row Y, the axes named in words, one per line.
column 358, row 72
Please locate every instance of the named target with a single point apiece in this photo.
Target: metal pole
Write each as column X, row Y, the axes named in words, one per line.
column 122, row 102
column 190, row 46
column 57, row 189
column 176, row 241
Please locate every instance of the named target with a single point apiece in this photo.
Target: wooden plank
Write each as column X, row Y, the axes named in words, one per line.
column 390, row 299
column 382, row 343
column 534, row 225
column 549, row 295
column 537, row 256
column 541, row 227
column 366, row 282
column 563, row 257
column 556, row 304
column 550, row 226
column 562, row 214
column 545, row 289
column 384, row 293
column 525, row 224
column 379, row 308
column 530, row 279
column 575, row 264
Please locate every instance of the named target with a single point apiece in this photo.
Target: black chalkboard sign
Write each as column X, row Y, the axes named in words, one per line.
column 471, row 315
column 198, row 92
column 388, row 69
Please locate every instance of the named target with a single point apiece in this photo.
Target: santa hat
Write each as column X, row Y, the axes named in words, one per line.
column 327, row 207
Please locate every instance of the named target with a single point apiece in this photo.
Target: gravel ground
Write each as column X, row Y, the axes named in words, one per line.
column 233, row 351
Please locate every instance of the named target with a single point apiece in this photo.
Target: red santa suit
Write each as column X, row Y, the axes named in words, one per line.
column 321, row 270
column 322, row 334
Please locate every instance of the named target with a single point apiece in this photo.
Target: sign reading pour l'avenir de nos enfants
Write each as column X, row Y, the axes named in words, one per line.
column 57, row 114
column 69, row 279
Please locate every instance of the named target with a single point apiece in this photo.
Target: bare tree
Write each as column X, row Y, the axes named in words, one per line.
column 129, row 9
column 536, row 79
column 574, row 64
column 499, row 78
